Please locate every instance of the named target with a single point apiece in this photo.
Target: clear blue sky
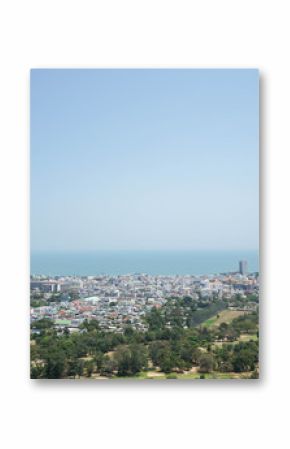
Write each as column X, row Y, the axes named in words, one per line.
column 144, row 159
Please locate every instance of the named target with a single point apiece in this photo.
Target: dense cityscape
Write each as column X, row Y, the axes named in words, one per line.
column 116, row 301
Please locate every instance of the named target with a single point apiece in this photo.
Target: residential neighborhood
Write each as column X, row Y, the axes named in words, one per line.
column 118, row 301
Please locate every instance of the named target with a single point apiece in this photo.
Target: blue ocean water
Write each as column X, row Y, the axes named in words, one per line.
column 150, row 262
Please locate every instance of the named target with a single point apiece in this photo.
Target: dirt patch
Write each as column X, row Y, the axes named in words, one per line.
column 155, row 374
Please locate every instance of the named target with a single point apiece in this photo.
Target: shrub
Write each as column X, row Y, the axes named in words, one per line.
column 171, row 376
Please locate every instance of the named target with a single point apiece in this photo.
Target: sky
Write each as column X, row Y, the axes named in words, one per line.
column 144, row 159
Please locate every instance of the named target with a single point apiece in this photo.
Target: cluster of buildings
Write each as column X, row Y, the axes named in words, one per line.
column 116, row 301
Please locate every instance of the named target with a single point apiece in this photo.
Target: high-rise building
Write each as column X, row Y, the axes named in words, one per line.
column 243, row 267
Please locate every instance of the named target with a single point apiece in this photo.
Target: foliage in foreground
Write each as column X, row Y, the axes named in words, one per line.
column 170, row 346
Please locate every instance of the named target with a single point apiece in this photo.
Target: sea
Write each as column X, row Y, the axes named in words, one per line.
column 90, row 263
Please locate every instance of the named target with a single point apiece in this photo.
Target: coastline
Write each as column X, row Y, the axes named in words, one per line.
column 87, row 263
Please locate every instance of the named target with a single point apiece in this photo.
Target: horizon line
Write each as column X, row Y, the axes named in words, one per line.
column 143, row 250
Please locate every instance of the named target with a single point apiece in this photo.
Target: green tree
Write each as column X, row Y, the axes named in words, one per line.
column 206, row 363
column 80, row 368
column 108, row 367
column 155, row 320
column 130, row 359
column 56, row 366
column 166, row 361
column 156, row 349
column 139, row 358
column 90, row 367
column 36, row 372
column 196, row 354
column 123, row 359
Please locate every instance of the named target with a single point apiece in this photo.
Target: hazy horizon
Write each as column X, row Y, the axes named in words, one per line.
column 95, row 250
column 144, row 160
column 162, row 262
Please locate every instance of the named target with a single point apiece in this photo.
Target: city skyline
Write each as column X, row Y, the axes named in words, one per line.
column 144, row 159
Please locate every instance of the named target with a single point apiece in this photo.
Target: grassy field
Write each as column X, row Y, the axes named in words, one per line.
column 215, row 375
column 226, row 316
column 148, row 375
column 248, row 337
column 144, row 375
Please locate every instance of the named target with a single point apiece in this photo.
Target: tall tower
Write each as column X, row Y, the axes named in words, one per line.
column 243, row 267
